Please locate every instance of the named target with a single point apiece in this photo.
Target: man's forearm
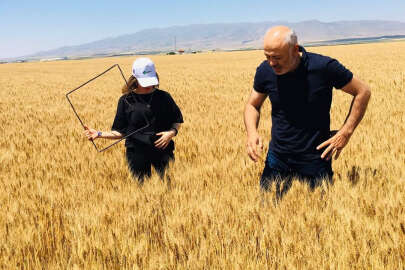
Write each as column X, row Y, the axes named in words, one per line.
column 357, row 111
column 251, row 118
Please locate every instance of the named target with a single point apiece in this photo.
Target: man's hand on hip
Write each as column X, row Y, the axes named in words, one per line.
column 254, row 146
column 334, row 145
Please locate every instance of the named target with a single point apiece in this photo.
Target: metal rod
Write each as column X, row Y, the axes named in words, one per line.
column 80, row 120
column 92, row 79
column 132, row 133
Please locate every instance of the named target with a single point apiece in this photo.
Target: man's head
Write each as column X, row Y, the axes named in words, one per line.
column 281, row 49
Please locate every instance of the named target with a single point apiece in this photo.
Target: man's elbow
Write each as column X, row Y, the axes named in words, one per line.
column 367, row 93
column 252, row 107
column 363, row 92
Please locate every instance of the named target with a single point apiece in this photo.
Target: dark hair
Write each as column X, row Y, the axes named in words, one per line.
column 133, row 84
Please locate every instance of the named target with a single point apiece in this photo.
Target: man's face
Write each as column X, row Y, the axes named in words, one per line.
column 282, row 58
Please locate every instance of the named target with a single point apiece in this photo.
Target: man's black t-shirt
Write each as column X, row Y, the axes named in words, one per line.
column 135, row 111
column 301, row 102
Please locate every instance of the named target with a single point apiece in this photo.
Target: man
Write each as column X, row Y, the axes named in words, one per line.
column 299, row 85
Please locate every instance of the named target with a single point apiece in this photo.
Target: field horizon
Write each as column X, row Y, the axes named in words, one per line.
column 65, row 206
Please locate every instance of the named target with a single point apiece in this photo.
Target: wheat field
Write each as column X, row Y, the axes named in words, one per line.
column 63, row 205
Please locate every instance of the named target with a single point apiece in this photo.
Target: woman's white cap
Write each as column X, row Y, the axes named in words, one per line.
column 143, row 69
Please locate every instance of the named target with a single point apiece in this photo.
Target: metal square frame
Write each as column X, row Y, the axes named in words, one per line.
column 80, row 120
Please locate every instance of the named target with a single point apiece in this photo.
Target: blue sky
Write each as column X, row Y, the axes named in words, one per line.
column 30, row 26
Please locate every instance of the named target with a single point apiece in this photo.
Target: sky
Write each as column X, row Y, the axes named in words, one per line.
column 27, row 27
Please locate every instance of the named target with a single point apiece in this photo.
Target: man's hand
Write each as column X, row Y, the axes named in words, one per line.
column 361, row 95
column 335, row 144
column 164, row 140
column 251, row 118
column 90, row 133
column 254, row 146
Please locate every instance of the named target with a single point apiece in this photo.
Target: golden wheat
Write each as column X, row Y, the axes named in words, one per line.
column 65, row 206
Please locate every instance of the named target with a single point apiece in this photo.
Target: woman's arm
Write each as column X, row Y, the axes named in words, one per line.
column 93, row 134
column 176, row 128
column 112, row 135
column 166, row 136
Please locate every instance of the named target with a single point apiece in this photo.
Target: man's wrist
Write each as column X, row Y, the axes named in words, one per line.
column 99, row 134
column 253, row 133
column 347, row 132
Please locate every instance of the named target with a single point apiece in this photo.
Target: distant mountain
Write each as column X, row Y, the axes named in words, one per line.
column 223, row 36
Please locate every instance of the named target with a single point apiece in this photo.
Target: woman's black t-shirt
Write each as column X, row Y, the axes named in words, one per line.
column 157, row 111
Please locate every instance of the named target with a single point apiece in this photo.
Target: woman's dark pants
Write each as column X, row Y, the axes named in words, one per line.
column 141, row 158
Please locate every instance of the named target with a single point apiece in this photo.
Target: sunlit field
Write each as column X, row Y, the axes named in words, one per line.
column 63, row 205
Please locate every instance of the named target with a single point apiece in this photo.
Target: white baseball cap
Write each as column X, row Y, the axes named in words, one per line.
column 143, row 69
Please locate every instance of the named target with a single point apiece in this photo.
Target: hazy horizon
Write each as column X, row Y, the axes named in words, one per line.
column 31, row 27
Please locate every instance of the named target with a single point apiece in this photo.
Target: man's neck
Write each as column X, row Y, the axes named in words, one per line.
column 296, row 64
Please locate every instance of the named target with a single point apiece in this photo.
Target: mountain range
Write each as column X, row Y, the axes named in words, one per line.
column 226, row 36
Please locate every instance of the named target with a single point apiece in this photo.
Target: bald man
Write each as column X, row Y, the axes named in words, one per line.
column 299, row 85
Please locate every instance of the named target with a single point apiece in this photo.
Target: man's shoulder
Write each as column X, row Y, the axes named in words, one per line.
column 265, row 78
column 264, row 66
column 265, row 69
column 317, row 61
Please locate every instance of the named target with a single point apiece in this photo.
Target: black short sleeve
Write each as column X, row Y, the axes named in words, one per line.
column 265, row 78
column 120, row 121
column 337, row 74
column 176, row 115
column 259, row 81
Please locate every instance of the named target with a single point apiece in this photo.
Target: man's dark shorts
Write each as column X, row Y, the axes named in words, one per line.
column 282, row 167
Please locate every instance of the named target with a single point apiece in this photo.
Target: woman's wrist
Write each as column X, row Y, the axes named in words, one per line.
column 99, row 134
column 174, row 130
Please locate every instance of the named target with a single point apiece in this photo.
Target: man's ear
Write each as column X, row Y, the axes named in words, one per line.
column 296, row 48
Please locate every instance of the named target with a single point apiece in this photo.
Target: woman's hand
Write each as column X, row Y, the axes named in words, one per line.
column 164, row 140
column 90, row 133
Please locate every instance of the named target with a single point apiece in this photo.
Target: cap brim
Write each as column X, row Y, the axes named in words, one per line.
column 145, row 82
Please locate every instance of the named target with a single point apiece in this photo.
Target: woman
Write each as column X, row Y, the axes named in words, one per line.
column 143, row 106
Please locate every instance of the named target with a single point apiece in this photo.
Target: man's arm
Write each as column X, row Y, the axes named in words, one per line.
column 251, row 118
column 361, row 95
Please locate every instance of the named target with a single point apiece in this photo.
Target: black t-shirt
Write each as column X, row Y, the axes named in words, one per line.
column 135, row 111
column 301, row 102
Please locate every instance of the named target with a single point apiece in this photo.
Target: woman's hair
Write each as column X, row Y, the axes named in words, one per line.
column 133, row 84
